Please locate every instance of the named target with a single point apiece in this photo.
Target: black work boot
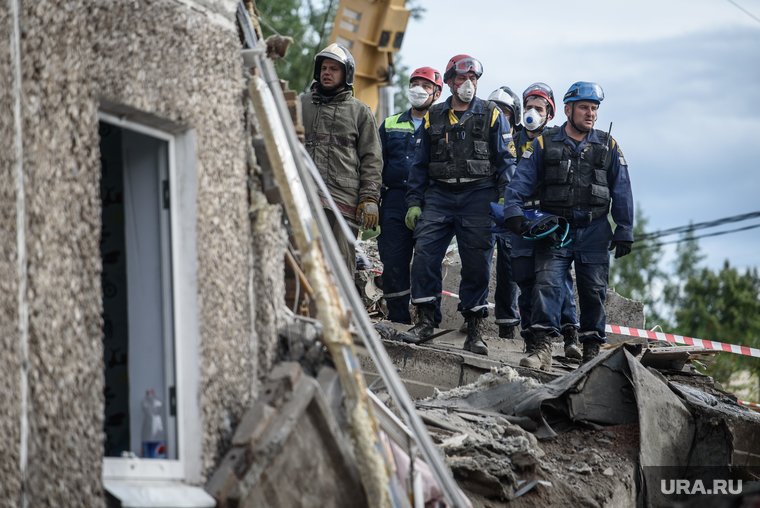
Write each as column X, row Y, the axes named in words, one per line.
column 541, row 356
column 572, row 347
column 474, row 341
column 507, row 332
column 590, row 349
column 530, row 341
column 424, row 327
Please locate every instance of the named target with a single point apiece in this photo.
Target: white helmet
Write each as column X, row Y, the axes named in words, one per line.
column 507, row 100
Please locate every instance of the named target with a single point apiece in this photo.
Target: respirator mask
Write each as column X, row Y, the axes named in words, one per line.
column 417, row 96
column 466, row 91
column 532, row 120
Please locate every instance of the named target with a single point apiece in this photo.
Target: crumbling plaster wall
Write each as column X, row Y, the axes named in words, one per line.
column 155, row 56
column 221, row 11
column 270, row 241
column 10, row 373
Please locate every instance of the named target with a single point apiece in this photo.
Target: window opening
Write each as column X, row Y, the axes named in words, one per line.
column 138, row 336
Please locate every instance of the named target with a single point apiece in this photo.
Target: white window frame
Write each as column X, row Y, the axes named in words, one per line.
column 183, row 211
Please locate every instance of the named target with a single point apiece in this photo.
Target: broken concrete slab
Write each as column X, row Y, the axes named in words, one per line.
column 423, row 369
column 622, row 311
column 289, row 437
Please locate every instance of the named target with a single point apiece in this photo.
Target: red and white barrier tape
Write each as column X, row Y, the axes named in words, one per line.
column 709, row 344
column 744, row 402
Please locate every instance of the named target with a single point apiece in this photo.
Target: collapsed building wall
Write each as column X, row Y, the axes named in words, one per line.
column 169, row 60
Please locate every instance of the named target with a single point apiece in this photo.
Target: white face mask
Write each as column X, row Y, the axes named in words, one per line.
column 466, row 91
column 532, row 120
column 417, row 96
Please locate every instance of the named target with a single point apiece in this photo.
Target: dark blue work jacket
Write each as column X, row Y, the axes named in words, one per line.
column 399, row 140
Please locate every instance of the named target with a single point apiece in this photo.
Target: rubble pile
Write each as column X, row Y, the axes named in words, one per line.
column 496, row 377
column 497, row 461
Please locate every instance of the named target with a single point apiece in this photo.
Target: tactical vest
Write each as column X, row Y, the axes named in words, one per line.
column 460, row 154
column 575, row 181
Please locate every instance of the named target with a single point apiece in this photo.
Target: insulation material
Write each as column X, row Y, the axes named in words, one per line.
column 496, row 377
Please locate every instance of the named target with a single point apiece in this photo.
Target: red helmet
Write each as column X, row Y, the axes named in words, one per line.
column 463, row 63
column 540, row 90
column 430, row 74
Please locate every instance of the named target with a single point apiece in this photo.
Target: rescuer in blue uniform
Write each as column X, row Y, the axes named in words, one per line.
column 462, row 165
column 400, row 134
column 582, row 175
column 539, row 108
column 506, row 294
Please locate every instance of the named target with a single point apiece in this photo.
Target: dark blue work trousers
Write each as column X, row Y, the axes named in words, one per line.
column 589, row 250
column 395, row 244
column 523, row 265
column 465, row 214
column 506, row 294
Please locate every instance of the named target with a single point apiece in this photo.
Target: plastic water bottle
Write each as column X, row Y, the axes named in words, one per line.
column 153, row 439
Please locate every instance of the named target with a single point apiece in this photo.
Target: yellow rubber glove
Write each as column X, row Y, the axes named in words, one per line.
column 412, row 215
column 367, row 214
column 501, row 201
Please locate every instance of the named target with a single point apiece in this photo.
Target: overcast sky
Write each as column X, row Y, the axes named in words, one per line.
column 681, row 81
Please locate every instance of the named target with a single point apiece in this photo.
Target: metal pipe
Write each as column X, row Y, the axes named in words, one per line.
column 21, row 259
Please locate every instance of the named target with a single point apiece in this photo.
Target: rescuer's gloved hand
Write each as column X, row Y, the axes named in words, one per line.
column 515, row 224
column 412, row 215
column 621, row 248
column 367, row 214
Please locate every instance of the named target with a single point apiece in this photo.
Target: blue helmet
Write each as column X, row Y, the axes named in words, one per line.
column 584, row 91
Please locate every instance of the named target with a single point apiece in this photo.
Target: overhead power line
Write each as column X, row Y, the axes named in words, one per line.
column 718, row 233
column 744, row 10
column 698, row 226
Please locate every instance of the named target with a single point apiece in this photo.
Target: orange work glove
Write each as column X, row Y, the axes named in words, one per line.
column 367, row 214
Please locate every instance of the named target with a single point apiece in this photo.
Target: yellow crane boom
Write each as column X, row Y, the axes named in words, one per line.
column 372, row 31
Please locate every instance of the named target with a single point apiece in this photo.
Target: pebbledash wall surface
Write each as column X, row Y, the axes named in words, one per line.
column 172, row 65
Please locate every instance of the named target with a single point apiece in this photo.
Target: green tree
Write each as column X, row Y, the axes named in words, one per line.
column 638, row 275
column 309, row 23
column 686, row 266
column 723, row 306
column 400, row 84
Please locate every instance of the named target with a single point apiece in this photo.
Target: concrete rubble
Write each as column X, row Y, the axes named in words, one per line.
column 595, row 435
column 606, row 429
